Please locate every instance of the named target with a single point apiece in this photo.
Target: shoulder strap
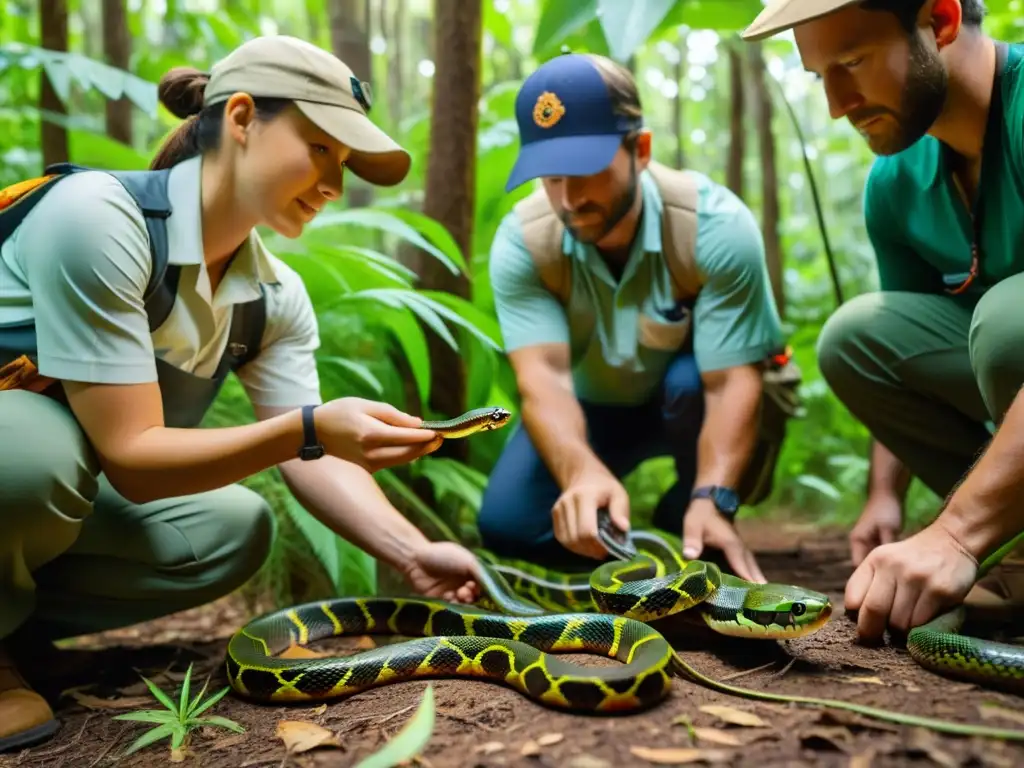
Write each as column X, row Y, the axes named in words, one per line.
column 679, row 195
column 149, row 191
column 543, row 235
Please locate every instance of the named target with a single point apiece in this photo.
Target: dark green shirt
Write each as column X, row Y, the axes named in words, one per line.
column 918, row 223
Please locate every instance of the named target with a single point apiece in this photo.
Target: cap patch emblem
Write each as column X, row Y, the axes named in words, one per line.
column 548, row 110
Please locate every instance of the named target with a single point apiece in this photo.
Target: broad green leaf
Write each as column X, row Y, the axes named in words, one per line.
column 721, row 15
column 481, row 369
column 386, row 220
column 100, row 151
column 410, row 337
column 498, row 25
column 627, row 25
column 408, row 742
column 450, row 476
column 434, row 231
column 320, row 538
column 469, row 315
column 486, row 335
column 558, row 20
column 425, row 310
column 388, row 479
column 358, row 370
column 358, row 570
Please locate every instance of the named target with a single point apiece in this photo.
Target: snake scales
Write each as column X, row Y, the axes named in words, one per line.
column 532, row 613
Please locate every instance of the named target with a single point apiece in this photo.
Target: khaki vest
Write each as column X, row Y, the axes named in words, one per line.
column 781, row 377
column 543, row 232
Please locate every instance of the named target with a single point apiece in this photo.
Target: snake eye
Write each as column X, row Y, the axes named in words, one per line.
column 798, row 609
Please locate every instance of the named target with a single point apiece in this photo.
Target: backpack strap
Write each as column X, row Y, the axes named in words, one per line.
column 149, row 191
column 543, row 237
column 679, row 197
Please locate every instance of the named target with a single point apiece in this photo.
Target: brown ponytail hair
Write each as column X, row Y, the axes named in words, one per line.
column 181, row 91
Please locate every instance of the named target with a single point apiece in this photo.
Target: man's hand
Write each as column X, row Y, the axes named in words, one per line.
column 879, row 523
column 444, row 569
column 907, row 583
column 575, row 513
column 703, row 525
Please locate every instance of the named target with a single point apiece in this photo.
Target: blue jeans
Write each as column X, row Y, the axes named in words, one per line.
column 515, row 515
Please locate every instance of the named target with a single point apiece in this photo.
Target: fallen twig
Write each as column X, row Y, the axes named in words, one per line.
column 784, row 670
column 744, row 672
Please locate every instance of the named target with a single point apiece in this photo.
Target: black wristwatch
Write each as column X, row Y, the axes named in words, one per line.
column 311, row 447
column 726, row 500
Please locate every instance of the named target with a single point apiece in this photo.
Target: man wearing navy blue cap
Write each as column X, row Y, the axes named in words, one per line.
column 635, row 306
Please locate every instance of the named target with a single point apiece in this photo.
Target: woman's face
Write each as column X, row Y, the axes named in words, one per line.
column 286, row 168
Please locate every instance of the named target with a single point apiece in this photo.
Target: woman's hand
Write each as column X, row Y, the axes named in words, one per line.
column 371, row 434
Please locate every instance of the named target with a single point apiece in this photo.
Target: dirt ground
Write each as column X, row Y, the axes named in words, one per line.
column 485, row 724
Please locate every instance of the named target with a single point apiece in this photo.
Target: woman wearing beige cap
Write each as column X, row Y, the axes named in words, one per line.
column 125, row 300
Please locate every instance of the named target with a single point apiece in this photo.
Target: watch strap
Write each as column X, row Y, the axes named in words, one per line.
column 311, row 447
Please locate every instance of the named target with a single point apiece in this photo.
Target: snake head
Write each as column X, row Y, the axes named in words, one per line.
column 784, row 610
column 497, row 418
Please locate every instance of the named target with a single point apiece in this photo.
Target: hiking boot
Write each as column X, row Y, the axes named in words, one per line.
column 25, row 717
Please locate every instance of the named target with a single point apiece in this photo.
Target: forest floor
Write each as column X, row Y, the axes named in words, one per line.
column 485, row 724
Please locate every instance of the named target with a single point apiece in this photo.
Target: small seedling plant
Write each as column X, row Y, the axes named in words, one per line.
column 179, row 719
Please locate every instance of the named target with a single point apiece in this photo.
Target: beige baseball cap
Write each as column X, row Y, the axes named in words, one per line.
column 326, row 91
column 780, row 15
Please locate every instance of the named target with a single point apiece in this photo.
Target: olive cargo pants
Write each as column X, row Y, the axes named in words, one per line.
column 78, row 558
column 924, row 373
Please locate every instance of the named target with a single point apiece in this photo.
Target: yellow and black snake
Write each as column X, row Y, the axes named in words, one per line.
column 533, row 614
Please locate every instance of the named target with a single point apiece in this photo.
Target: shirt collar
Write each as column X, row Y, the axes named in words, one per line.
column 250, row 266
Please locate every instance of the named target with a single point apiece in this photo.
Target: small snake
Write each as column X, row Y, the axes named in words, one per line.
column 471, row 422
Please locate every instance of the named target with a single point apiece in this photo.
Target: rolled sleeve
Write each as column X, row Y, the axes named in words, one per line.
column 528, row 313
column 85, row 251
column 284, row 373
column 736, row 321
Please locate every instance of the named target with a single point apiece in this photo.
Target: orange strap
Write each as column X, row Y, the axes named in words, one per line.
column 21, row 373
column 13, row 193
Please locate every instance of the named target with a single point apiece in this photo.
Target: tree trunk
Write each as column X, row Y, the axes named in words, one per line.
column 680, row 103
column 53, row 18
column 350, row 41
column 396, row 72
column 737, row 139
column 451, row 179
column 117, row 49
column 769, row 175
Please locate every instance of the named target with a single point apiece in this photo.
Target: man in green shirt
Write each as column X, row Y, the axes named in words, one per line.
column 935, row 357
column 610, row 372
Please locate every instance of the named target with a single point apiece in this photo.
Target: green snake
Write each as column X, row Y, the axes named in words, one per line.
column 939, row 645
column 604, row 612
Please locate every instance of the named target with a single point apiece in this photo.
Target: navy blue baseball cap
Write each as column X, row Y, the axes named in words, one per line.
column 567, row 126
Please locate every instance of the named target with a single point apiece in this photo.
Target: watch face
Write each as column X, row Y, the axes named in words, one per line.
column 727, row 500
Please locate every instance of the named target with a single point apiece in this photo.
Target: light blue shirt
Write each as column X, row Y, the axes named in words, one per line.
column 620, row 342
